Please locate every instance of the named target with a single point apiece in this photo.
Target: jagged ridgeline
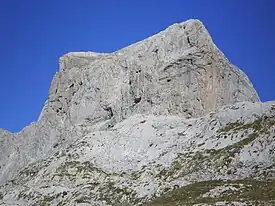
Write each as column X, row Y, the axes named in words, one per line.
column 166, row 121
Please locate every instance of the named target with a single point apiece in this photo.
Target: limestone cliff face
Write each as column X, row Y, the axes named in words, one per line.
column 123, row 120
column 178, row 71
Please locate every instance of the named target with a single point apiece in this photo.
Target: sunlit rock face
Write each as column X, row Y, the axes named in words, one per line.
column 178, row 71
column 142, row 125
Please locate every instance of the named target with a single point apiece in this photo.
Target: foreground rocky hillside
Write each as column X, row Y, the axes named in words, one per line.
column 166, row 121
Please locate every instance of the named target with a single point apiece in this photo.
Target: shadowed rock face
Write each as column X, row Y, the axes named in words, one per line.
column 175, row 79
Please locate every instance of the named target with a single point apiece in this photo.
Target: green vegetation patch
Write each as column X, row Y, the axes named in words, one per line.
column 113, row 194
column 189, row 163
column 83, row 199
column 258, row 125
column 247, row 190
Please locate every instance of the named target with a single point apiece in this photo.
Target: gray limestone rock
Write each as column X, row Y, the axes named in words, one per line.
column 145, row 156
column 178, row 71
column 129, row 126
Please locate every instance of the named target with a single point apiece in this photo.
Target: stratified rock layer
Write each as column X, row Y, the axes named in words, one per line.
column 128, row 126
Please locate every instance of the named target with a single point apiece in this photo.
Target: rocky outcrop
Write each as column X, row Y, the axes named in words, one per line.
column 145, row 156
column 178, row 71
column 148, row 120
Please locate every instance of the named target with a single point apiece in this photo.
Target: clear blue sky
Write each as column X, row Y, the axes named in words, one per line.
column 35, row 33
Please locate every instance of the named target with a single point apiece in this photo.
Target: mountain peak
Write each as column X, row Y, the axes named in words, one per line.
column 177, row 71
column 126, row 126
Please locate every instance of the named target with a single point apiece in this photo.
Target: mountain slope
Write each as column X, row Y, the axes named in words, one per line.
column 145, row 156
column 143, row 125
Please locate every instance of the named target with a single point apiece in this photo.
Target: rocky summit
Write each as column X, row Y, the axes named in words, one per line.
column 165, row 121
